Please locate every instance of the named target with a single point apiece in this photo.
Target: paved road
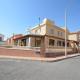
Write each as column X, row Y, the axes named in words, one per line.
column 68, row 69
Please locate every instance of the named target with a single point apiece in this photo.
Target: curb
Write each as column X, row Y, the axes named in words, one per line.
column 59, row 59
column 41, row 59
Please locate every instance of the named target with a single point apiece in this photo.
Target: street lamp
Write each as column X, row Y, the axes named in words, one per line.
column 65, row 33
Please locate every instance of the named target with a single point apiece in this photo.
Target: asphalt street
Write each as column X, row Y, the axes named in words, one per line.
column 68, row 69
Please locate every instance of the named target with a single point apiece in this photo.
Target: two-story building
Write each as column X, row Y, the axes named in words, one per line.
column 46, row 35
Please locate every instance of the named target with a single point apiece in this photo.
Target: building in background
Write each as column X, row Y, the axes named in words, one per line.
column 2, row 42
column 1, row 37
column 10, row 40
column 75, row 36
column 79, row 38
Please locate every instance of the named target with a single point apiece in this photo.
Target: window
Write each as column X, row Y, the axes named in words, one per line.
column 51, row 31
column 23, row 42
column 58, row 43
column 63, row 43
column 51, row 42
column 60, row 33
column 37, row 43
column 68, row 44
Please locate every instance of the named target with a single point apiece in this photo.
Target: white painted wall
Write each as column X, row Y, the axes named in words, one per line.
column 73, row 37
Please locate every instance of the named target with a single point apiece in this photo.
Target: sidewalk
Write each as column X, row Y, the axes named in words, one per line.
column 41, row 59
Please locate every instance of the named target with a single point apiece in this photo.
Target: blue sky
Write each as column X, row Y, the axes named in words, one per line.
column 17, row 15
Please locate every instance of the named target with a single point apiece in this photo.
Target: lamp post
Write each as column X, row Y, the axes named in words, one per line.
column 65, row 34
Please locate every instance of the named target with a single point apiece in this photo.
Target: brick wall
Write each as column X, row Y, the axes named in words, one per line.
column 17, row 52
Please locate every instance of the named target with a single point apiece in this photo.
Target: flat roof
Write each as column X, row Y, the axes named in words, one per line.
column 36, row 35
column 30, row 35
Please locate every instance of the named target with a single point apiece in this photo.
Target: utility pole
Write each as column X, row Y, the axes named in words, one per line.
column 39, row 24
column 65, row 33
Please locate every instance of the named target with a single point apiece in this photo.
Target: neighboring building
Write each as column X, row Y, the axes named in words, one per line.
column 79, row 37
column 1, row 37
column 47, row 33
column 76, row 37
column 10, row 40
column 2, row 42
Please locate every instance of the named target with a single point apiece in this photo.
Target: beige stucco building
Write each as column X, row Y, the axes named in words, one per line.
column 48, row 36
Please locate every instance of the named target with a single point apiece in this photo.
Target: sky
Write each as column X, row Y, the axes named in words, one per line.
column 16, row 16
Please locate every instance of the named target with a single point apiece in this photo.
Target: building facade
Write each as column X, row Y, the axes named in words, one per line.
column 76, row 37
column 10, row 41
column 49, row 36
